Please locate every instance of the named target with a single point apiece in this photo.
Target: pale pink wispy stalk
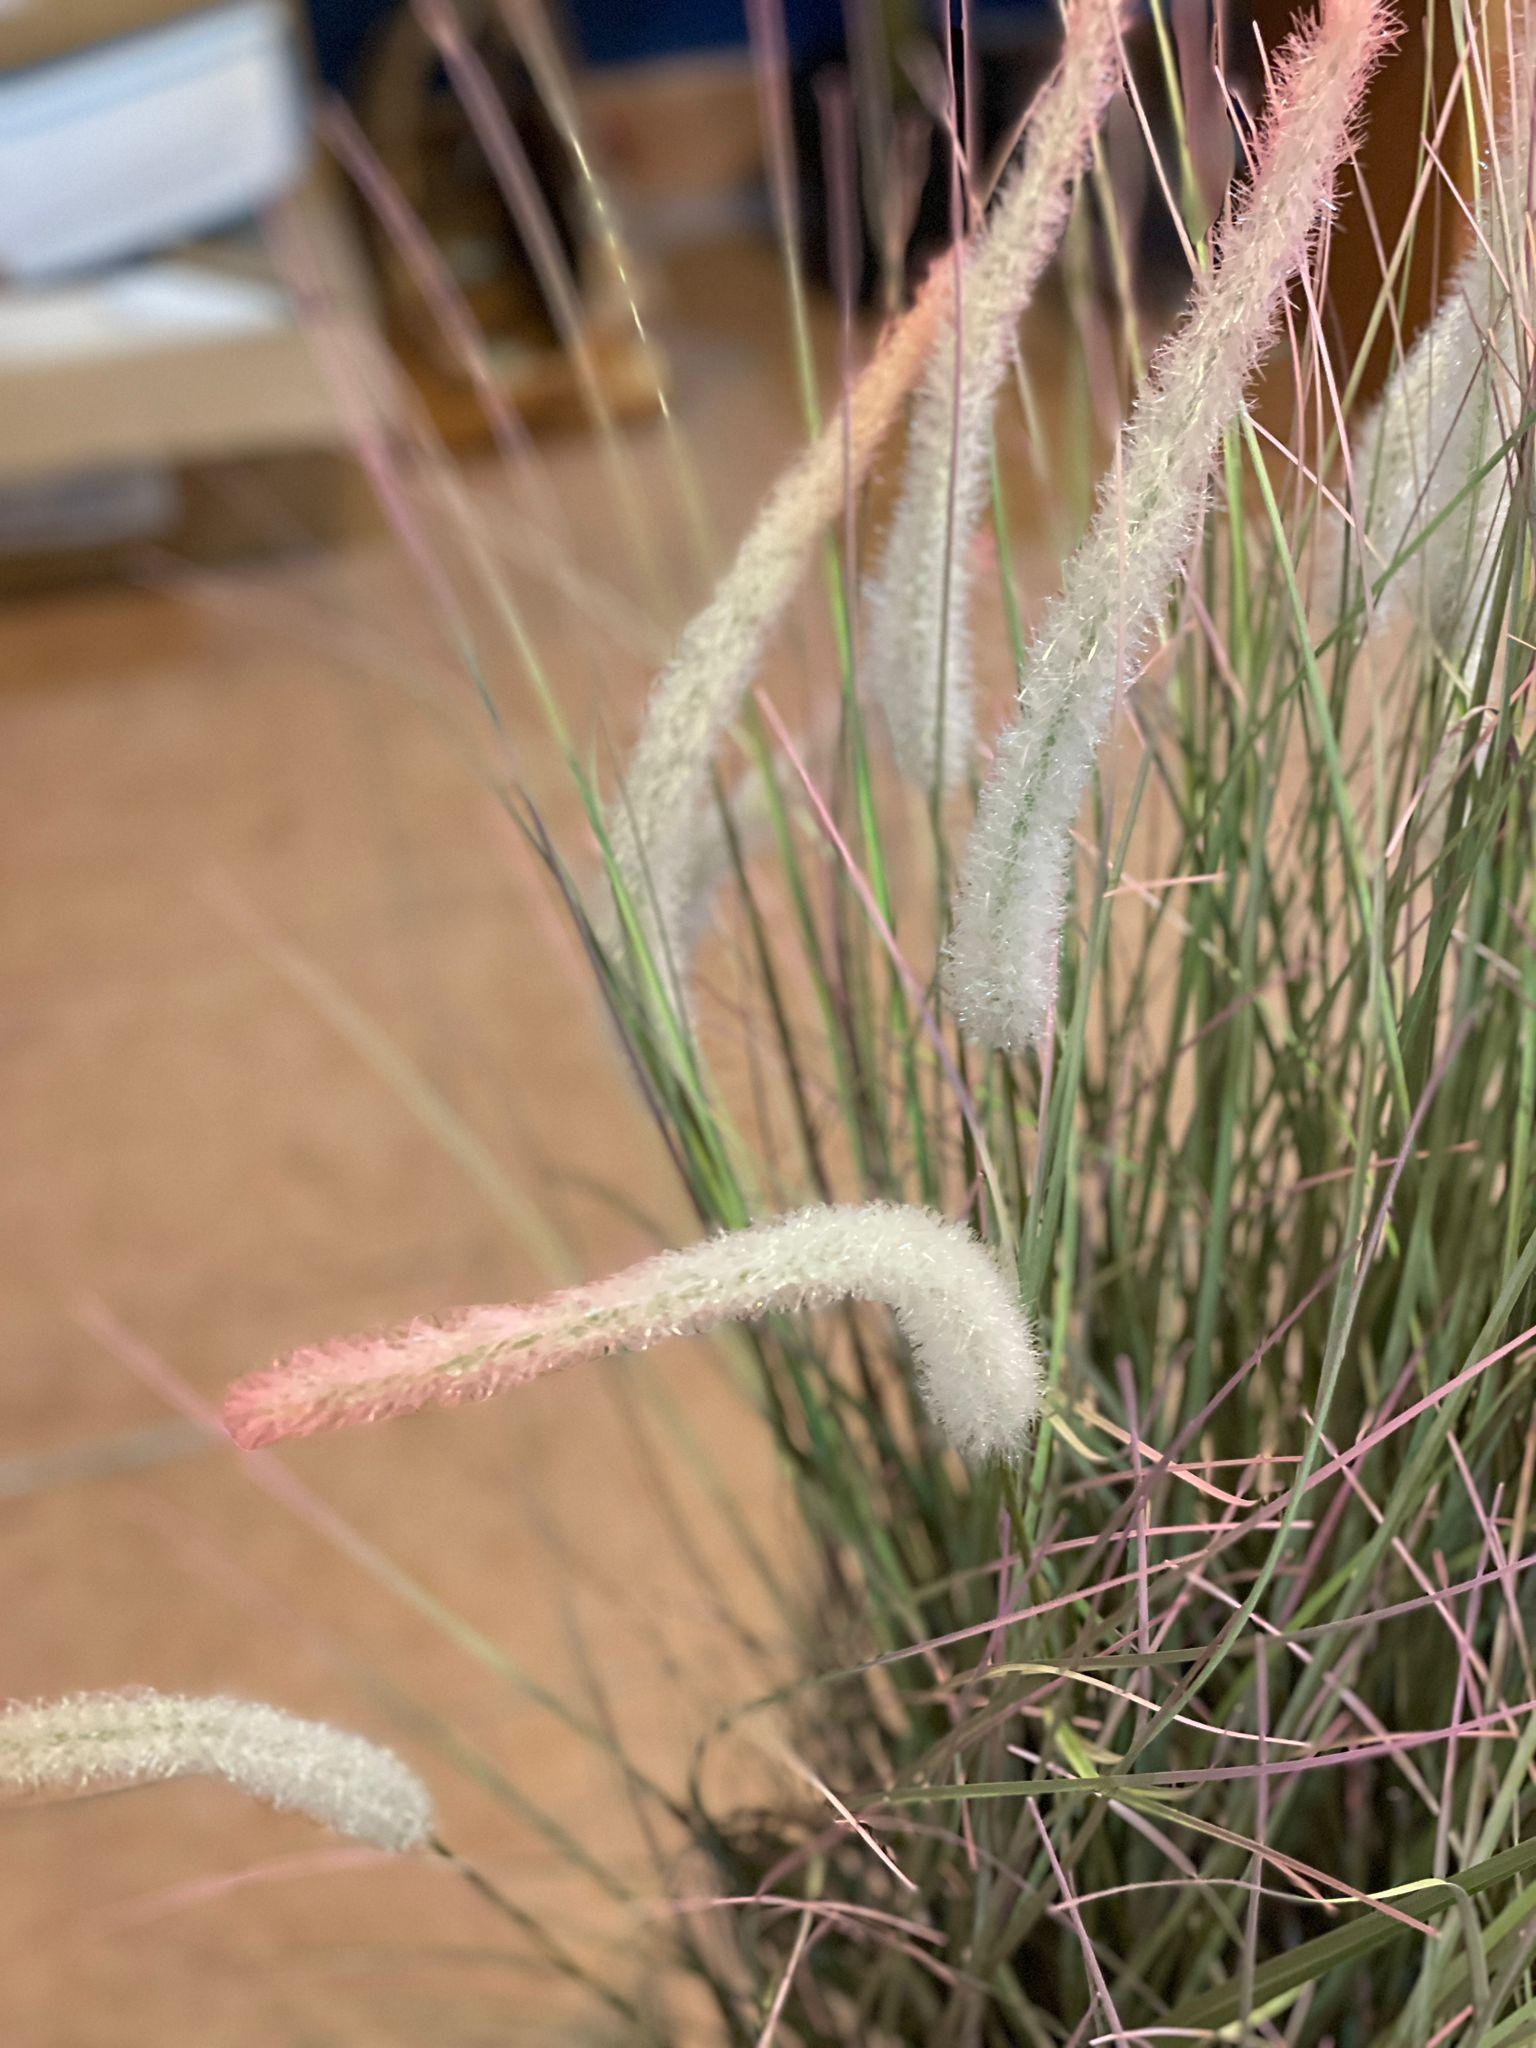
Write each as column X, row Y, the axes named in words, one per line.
column 1001, row 968
column 666, row 788
column 917, row 650
column 960, row 1312
column 136, row 1738
column 1447, row 410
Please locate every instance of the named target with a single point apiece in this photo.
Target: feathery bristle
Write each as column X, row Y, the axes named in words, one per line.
column 653, row 822
column 917, row 655
column 692, row 704
column 959, row 1311
column 338, row 1779
column 1445, row 412
column 1001, row 967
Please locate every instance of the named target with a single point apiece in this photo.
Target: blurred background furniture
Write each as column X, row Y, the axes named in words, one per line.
column 146, row 336
column 460, row 119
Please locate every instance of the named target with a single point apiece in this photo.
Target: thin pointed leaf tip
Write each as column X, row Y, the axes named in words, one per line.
column 137, row 1738
column 972, row 1341
column 1001, row 968
column 917, row 656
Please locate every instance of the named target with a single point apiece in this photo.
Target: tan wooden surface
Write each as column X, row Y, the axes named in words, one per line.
column 191, row 1145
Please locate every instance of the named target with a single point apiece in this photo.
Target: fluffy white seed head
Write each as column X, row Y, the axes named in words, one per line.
column 666, row 800
column 1001, row 969
column 917, row 650
column 1445, row 413
column 137, row 1738
column 971, row 1339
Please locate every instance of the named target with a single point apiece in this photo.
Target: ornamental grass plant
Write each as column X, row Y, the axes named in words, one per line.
column 1119, row 1147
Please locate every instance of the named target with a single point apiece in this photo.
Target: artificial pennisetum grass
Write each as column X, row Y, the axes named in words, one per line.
column 1215, row 1718
column 1209, row 1167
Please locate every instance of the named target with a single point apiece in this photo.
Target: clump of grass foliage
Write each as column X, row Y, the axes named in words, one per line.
column 1206, row 1710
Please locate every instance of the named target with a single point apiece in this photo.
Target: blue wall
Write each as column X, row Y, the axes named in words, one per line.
column 619, row 31
column 623, row 31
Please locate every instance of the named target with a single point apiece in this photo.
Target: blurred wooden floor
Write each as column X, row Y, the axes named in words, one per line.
column 202, row 1169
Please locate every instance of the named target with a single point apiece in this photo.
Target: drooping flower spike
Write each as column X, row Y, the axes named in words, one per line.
column 666, row 789
column 1446, row 411
column 917, row 650
column 1001, row 968
column 975, row 1350
column 139, row 1738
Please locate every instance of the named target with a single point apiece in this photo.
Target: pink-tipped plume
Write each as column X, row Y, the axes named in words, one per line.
column 960, row 1312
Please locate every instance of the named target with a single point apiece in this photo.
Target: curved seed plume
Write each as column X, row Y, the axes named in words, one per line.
column 137, row 1738
column 697, row 696
column 1447, row 410
column 917, row 657
column 1001, row 968
column 666, row 793
column 975, row 1351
